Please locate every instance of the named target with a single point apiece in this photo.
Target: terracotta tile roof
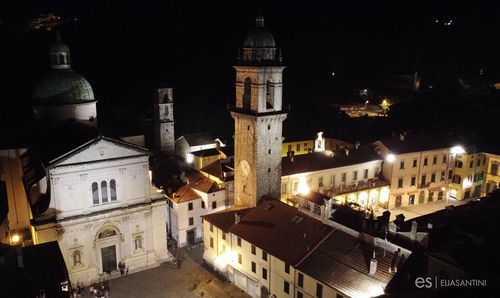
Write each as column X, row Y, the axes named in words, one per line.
column 277, row 227
column 321, row 160
column 342, row 261
column 421, row 142
column 214, row 169
column 206, row 152
column 196, row 139
column 225, row 218
column 185, row 194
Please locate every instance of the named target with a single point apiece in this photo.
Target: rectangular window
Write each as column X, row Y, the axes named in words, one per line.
column 240, row 261
column 264, row 255
column 253, row 249
column 320, row 181
column 414, row 163
column 239, row 241
column 413, row 179
column 223, row 235
column 431, row 196
column 211, row 227
column 402, row 165
column 214, row 204
column 471, row 164
column 254, row 267
column 434, row 160
column 299, row 294
column 365, row 174
column 423, row 179
column 332, row 180
column 494, row 169
column 319, row 290
column 339, row 296
column 295, row 186
column 425, row 161
column 300, row 280
column 400, row 182
column 450, row 174
column 433, row 177
column 305, row 146
column 190, row 206
column 355, row 175
column 445, row 158
column 287, row 268
column 264, row 273
column 283, row 188
column 344, row 176
column 211, row 242
column 443, row 174
column 191, row 221
column 202, row 204
column 478, row 162
column 286, row 287
column 298, row 147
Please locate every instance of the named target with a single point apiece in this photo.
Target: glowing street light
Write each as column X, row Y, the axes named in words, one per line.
column 457, row 150
column 15, row 239
column 390, row 157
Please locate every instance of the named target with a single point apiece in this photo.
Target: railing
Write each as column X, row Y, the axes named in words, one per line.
column 361, row 185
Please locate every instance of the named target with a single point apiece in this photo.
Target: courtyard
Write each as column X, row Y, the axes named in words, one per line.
column 192, row 279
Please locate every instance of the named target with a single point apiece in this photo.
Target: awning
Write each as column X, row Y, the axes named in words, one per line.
column 220, row 263
column 209, row 256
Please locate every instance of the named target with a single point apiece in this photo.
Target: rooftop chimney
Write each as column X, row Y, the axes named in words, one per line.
column 373, row 265
column 413, row 232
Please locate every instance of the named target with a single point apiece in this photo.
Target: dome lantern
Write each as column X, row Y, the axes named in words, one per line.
column 59, row 54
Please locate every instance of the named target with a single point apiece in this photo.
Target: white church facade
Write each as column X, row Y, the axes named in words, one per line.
column 103, row 210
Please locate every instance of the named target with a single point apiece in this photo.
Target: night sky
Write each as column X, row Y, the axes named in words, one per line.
column 126, row 48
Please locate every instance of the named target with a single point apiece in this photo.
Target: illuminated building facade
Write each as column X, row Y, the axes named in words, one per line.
column 468, row 176
column 346, row 176
column 419, row 167
column 98, row 203
column 492, row 175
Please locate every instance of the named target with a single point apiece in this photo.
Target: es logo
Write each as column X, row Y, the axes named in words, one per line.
column 421, row 282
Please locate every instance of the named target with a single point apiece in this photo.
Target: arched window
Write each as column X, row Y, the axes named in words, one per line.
column 269, row 95
column 60, row 59
column 247, row 94
column 104, row 191
column 95, row 193
column 112, row 187
column 53, row 58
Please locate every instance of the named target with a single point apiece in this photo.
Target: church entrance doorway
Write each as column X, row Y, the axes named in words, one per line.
column 108, row 255
column 191, row 237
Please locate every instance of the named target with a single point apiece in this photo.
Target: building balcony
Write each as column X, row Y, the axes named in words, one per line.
column 359, row 186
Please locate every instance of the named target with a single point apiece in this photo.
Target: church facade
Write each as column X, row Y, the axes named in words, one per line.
column 103, row 210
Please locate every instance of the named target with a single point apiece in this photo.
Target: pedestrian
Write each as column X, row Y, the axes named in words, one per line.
column 126, row 272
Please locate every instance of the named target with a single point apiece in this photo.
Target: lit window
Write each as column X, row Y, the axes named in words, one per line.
column 112, row 188
column 104, row 191
column 95, row 193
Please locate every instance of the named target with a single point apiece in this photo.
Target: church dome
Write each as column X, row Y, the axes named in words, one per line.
column 259, row 37
column 63, row 87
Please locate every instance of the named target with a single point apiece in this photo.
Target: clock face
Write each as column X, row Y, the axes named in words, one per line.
column 245, row 167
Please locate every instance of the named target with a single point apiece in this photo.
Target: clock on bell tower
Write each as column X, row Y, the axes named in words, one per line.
column 258, row 118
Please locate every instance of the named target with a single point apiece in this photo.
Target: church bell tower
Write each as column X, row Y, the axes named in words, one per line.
column 164, row 136
column 258, row 118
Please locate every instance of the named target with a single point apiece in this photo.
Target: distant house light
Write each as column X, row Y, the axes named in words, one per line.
column 457, row 150
column 390, row 157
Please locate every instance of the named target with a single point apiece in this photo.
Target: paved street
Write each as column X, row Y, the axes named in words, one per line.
column 191, row 280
